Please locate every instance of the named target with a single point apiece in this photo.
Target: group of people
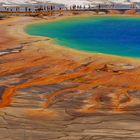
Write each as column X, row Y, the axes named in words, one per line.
column 103, row 6
column 31, row 8
column 49, row 7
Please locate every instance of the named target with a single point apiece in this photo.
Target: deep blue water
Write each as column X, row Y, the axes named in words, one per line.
column 109, row 35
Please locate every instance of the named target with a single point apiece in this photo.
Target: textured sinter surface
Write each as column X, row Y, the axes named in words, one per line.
column 52, row 93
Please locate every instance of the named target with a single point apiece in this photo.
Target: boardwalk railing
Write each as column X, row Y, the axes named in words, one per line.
column 46, row 11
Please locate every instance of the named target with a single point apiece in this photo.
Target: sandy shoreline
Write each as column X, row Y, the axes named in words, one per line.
column 61, row 93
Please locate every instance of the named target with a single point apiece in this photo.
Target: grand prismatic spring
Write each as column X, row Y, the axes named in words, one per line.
column 71, row 77
column 110, row 35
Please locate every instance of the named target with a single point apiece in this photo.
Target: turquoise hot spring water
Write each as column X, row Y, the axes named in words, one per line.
column 109, row 35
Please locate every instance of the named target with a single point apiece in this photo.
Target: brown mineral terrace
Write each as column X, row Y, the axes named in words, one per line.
column 49, row 92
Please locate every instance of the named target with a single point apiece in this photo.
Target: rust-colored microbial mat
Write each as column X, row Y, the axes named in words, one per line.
column 53, row 93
